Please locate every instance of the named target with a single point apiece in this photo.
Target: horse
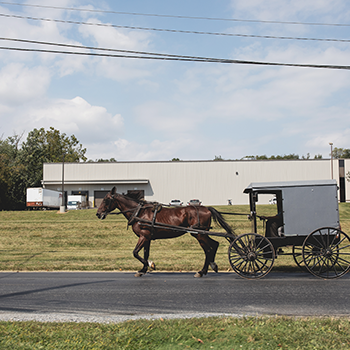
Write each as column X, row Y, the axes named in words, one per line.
column 147, row 218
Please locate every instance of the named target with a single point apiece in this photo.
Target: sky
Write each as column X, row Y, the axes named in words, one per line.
column 156, row 110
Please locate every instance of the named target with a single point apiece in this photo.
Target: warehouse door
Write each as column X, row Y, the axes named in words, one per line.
column 99, row 195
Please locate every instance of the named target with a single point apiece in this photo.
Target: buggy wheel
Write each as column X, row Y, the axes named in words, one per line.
column 326, row 253
column 298, row 256
column 251, row 255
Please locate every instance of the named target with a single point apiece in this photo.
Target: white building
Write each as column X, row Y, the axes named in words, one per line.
column 212, row 182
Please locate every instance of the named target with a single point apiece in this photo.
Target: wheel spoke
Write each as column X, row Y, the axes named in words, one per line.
column 326, row 251
column 251, row 255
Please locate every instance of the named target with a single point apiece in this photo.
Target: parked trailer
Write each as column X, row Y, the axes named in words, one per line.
column 43, row 198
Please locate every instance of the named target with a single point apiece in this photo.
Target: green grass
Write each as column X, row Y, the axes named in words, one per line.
column 77, row 240
column 203, row 333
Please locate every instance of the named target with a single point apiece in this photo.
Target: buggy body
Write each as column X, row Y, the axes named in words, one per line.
column 303, row 205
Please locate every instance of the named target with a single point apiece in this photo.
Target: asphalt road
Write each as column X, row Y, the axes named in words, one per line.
column 108, row 294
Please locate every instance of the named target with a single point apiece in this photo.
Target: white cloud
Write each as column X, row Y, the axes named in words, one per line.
column 20, row 84
column 89, row 123
column 287, row 9
column 168, row 117
column 118, row 69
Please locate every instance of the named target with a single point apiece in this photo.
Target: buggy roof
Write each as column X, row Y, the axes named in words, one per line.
column 275, row 186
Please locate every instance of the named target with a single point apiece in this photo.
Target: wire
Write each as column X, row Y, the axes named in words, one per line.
column 96, row 48
column 171, row 30
column 180, row 58
column 176, row 16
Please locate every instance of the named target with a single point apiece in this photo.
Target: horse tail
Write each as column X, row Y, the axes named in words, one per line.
column 218, row 218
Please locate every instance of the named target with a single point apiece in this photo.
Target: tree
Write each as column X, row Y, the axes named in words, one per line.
column 341, row 153
column 48, row 146
column 101, row 160
column 4, row 180
column 286, row 156
column 21, row 166
column 12, row 188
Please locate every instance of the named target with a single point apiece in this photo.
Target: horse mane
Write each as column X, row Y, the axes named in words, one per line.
column 135, row 196
column 139, row 199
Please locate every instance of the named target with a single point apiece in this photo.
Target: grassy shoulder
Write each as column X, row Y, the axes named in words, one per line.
column 77, row 240
column 203, row 333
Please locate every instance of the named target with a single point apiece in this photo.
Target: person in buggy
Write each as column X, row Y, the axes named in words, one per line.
column 274, row 224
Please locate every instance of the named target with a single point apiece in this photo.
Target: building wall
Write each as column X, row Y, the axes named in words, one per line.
column 347, row 183
column 212, row 182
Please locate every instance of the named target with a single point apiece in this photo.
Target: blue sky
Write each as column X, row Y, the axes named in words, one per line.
column 144, row 110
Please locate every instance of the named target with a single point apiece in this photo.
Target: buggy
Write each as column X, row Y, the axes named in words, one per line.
column 307, row 219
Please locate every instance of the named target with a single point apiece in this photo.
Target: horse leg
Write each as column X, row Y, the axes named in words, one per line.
column 214, row 245
column 146, row 249
column 209, row 247
column 140, row 244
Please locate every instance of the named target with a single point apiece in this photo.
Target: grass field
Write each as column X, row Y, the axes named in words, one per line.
column 77, row 240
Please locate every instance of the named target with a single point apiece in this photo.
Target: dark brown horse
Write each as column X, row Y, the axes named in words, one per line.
column 144, row 216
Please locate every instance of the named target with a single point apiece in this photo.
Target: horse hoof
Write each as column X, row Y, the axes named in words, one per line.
column 198, row 274
column 139, row 274
column 214, row 266
column 152, row 265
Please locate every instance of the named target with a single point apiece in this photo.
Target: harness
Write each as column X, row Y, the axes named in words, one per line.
column 156, row 208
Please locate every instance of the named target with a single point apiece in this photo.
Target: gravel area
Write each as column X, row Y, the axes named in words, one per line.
column 97, row 318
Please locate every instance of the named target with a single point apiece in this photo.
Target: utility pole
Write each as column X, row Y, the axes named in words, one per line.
column 63, row 204
column 331, row 144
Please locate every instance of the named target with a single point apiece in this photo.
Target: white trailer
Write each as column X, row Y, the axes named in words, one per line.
column 76, row 202
column 38, row 197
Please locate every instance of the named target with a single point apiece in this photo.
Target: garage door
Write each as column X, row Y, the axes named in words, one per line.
column 99, row 195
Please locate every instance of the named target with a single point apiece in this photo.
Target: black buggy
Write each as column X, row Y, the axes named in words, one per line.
column 307, row 219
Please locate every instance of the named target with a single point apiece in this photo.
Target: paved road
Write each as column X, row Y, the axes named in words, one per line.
column 121, row 294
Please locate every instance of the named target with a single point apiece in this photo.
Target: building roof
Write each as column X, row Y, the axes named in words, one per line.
column 264, row 186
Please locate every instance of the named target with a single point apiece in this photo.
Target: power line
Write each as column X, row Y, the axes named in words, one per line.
column 96, row 48
column 182, row 58
column 177, row 16
column 173, row 30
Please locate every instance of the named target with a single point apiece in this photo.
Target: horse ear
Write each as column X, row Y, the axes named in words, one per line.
column 113, row 190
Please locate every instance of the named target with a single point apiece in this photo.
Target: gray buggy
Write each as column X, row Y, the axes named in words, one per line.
column 307, row 219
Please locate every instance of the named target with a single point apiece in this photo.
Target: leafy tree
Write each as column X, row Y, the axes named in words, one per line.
column 176, row 160
column 48, row 146
column 341, row 153
column 218, row 158
column 11, row 171
column 286, row 156
column 21, row 166
column 5, row 179
column 111, row 160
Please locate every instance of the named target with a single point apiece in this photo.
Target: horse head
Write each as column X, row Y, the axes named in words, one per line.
column 107, row 205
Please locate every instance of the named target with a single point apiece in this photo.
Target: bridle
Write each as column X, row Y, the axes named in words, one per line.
column 135, row 211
